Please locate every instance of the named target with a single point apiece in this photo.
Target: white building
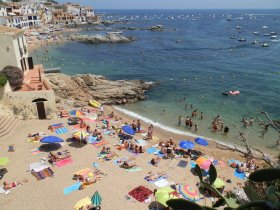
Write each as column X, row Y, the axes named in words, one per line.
column 13, row 48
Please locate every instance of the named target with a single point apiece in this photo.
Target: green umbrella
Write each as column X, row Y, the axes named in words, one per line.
column 4, row 161
column 218, row 183
column 96, row 199
column 163, row 194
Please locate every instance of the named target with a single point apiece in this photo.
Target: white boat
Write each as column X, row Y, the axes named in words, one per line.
column 273, row 37
column 265, row 27
column 273, row 33
column 256, row 33
column 238, row 27
column 265, row 45
column 242, row 40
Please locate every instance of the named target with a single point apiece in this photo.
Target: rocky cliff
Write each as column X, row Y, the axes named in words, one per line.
column 108, row 38
column 78, row 90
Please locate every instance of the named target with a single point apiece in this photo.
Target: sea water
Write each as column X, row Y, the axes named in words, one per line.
column 192, row 61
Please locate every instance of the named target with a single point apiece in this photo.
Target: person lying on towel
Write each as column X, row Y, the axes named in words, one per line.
column 127, row 165
column 8, row 186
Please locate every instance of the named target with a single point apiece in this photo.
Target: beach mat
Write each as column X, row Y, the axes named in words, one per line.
column 36, row 151
column 133, row 169
column 140, row 193
column 141, row 142
column 182, row 163
column 91, row 139
column 161, row 183
column 72, row 188
column 239, row 175
column 64, row 162
column 100, row 144
column 62, row 130
column 152, row 150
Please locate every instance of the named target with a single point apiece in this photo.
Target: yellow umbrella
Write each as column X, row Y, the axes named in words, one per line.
column 80, row 135
column 163, row 194
column 83, row 202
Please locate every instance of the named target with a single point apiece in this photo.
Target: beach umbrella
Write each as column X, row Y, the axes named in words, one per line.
column 80, row 135
column 96, row 199
column 201, row 141
column 203, row 163
column 76, row 113
column 185, row 144
column 188, row 192
column 4, row 161
column 164, row 194
column 83, row 202
column 218, row 183
column 128, row 129
column 51, row 139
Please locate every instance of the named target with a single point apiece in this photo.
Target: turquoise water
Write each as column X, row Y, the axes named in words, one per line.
column 194, row 58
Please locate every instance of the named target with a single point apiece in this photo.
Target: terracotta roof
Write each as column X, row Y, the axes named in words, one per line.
column 9, row 30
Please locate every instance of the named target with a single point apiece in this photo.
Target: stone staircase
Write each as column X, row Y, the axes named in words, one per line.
column 8, row 125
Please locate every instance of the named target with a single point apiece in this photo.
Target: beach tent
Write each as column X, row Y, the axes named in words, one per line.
column 128, row 129
column 96, row 199
column 51, row 139
column 76, row 113
column 83, row 202
column 203, row 163
column 189, row 192
column 164, row 194
column 185, row 144
column 201, row 141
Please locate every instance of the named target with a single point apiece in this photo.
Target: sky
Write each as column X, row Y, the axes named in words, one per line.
column 180, row 4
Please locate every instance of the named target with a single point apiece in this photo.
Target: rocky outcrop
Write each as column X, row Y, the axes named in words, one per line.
column 78, row 90
column 108, row 38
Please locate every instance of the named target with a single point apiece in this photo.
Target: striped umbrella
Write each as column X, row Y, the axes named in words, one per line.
column 203, row 163
column 80, row 135
column 188, row 192
column 76, row 113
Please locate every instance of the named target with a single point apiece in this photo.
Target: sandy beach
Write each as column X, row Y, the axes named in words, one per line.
column 113, row 187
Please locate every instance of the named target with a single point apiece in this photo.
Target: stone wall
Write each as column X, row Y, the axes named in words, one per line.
column 22, row 107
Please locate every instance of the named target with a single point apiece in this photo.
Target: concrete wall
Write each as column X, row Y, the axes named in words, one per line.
column 22, row 107
column 10, row 50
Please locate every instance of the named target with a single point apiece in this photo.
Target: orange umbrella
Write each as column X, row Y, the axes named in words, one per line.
column 203, row 163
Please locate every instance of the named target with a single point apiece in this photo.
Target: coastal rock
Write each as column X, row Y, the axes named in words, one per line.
column 78, row 90
column 112, row 37
column 156, row 28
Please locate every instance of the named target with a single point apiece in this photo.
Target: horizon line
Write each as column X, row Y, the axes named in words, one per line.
column 189, row 9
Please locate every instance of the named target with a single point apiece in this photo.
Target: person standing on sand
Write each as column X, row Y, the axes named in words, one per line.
column 179, row 120
column 138, row 124
column 101, row 109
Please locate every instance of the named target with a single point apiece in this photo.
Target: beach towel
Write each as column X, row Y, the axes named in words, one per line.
column 192, row 164
column 95, row 165
column 239, row 175
column 39, row 166
column 117, row 161
column 158, row 179
column 87, row 119
column 47, row 172
column 140, row 193
column 143, row 134
column 2, row 191
column 100, row 143
column 182, row 163
column 153, row 150
column 64, row 162
column 161, row 183
column 91, row 139
column 141, row 142
column 133, row 169
column 68, row 190
column 36, row 151
column 61, row 130
column 108, row 132
column 83, row 171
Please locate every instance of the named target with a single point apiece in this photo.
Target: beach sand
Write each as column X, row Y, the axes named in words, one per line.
column 48, row 193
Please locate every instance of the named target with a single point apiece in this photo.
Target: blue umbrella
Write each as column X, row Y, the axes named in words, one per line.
column 201, row 141
column 51, row 139
column 185, row 144
column 129, row 130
